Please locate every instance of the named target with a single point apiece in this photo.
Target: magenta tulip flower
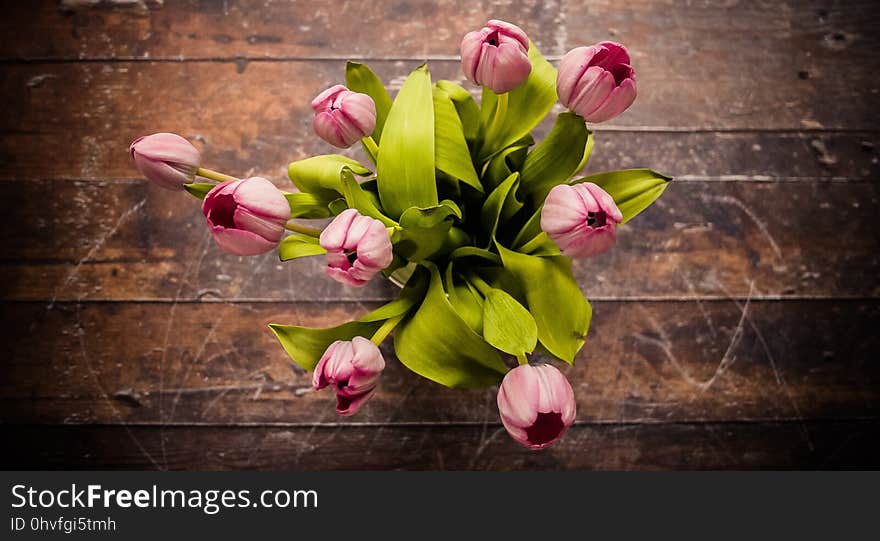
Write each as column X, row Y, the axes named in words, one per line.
column 357, row 247
column 536, row 404
column 246, row 217
column 343, row 117
column 598, row 82
column 581, row 219
column 353, row 369
column 496, row 56
column 166, row 159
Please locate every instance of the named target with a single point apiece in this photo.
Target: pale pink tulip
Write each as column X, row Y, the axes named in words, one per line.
column 353, row 369
column 597, row 82
column 496, row 56
column 166, row 159
column 343, row 117
column 357, row 247
column 581, row 219
column 246, row 217
column 536, row 404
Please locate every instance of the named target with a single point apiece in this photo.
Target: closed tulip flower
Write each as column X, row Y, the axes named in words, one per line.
column 581, row 219
column 536, row 404
column 357, row 247
column 246, row 217
column 352, row 369
column 166, row 159
column 496, row 56
column 343, row 117
column 598, row 82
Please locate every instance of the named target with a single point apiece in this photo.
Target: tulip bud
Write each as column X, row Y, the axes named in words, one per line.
column 343, row 117
column 357, row 247
column 353, row 369
column 246, row 217
column 596, row 82
column 581, row 219
column 496, row 56
column 167, row 159
column 536, row 404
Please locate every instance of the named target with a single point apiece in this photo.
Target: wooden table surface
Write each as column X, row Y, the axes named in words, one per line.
column 735, row 324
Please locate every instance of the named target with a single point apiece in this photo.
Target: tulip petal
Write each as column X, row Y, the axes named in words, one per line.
column 617, row 102
column 238, row 242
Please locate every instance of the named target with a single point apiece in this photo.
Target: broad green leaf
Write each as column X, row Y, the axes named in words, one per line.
column 360, row 78
column 406, row 154
column 632, row 189
column 306, row 345
column 452, row 153
column 507, row 325
column 435, row 342
column 506, row 161
column 527, row 105
column 423, row 231
column 541, row 245
column 501, row 203
column 306, row 205
column 561, row 312
column 468, row 110
column 320, row 175
column 529, row 231
column 473, row 251
column 199, row 189
column 297, row 245
column 358, row 198
column 556, row 158
column 466, row 301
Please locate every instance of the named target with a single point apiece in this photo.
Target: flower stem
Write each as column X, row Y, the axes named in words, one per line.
column 522, row 359
column 371, row 147
column 480, row 284
column 386, row 328
column 213, row 175
column 498, row 117
column 304, row 229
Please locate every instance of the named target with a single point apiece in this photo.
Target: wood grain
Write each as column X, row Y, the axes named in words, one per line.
column 715, row 446
column 130, row 240
column 652, row 362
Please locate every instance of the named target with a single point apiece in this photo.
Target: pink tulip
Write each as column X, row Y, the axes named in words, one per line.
column 581, row 219
column 496, row 56
column 246, row 217
column 167, row 159
column 596, row 82
column 536, row 404
column 357, row 247
column 353, row 369
column 343, row 117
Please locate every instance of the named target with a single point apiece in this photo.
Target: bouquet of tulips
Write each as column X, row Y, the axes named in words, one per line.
column 459, row 207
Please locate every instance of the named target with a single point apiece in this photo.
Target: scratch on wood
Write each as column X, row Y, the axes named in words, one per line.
column 731, row 200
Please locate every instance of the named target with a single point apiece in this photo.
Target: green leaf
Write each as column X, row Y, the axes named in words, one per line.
column 297, row 245
column 360, row 78
column 632, row 189
column 556, row 158
column 199, row 189
column 541, row 245
column 319, row 175
column 468, row 110
column 452, row 153
column 506, row 161
column 464, row 299
column 455, row 357
column 423, row 230
column 561, row 312
column 507, row 325
column 358, row 198
column 306, row 205
column 501, row 203
column 527, row 105
column 406, row 154
column 306, row 345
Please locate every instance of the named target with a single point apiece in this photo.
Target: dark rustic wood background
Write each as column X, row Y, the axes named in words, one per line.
column 735, row 324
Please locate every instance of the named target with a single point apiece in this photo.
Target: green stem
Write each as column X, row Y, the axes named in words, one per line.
column 522, row 359
column 386, row 328
column 498, row 117
column 371, row 147
column 480, row 284
column 304, row 229
column 213, row 175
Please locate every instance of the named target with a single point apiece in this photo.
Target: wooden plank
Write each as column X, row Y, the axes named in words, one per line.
column 130, row 240
column 648, row 362
column 838, row 445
